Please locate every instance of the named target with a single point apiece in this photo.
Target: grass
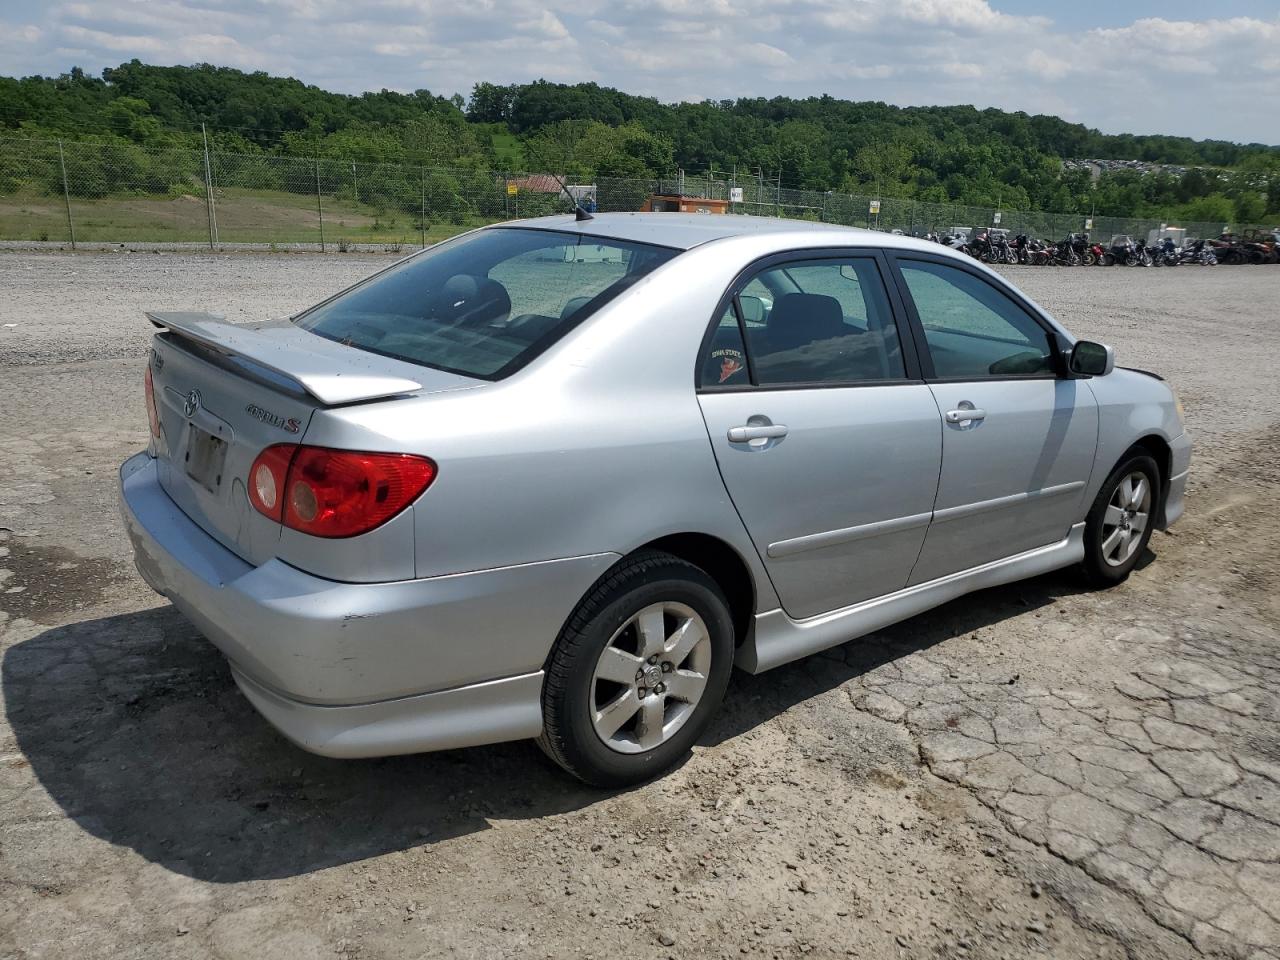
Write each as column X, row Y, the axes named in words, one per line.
column 243, row 216
column 507, row 149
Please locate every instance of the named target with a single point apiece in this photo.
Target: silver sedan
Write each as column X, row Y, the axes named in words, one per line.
column 553, row 479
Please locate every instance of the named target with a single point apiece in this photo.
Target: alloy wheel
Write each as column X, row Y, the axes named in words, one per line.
column 650, row 677
column 1126, row 518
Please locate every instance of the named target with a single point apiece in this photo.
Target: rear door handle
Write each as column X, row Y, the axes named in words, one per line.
column 963, row 416
column 772, row 431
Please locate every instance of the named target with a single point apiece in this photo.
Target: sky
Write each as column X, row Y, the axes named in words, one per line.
column 1200, row 69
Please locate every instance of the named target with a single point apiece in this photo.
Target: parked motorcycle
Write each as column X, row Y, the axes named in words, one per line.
column 1124, row 251
column 1165, row 253
column 1083, row 248
column 1041, row 253
column 1000, row 250
column 1064, row 253
column 1199, row 253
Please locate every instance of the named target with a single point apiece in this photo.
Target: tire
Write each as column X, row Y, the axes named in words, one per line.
column 1108, row 561
column 609, row 617
column 1090, row 260
column 1108, row 260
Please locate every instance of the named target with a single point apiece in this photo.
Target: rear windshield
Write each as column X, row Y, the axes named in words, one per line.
column 485, row 304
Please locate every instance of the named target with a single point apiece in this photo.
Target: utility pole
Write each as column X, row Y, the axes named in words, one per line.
column 208, row 191
column 66, row 195
column 319, row 206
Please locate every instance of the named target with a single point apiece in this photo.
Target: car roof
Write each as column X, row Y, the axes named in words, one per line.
column 686, row 230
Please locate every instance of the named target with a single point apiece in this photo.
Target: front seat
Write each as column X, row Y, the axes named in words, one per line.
column 799, row 319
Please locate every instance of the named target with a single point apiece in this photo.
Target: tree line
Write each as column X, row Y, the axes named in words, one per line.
column 934, row 154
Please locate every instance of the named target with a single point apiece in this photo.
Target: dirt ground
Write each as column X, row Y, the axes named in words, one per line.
column 1033, row 770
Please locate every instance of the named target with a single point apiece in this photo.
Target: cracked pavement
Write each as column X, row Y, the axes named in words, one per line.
column 1148, row 787
column 1034, row 770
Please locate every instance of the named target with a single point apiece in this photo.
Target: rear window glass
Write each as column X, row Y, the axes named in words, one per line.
column 486, row 304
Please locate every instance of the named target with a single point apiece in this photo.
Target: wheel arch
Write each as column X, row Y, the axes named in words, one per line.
column 1157, row 447
column 724, row 564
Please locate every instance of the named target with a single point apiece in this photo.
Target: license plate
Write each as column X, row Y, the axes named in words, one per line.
column 206, row 455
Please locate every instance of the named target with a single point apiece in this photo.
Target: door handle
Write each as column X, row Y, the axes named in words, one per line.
column 964, row 416
column 772, row 431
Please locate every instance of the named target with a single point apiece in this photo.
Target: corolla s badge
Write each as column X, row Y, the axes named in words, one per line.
column 266, row 416
column 191, row 404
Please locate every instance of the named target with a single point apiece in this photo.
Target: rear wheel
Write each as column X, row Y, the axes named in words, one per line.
column 638, row 671
column 1119, row 523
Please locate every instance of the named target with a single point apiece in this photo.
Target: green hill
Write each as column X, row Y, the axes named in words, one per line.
column 938, row 154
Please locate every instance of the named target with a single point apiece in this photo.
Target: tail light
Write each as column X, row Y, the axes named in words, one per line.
column 153, row 416
column 335, row 493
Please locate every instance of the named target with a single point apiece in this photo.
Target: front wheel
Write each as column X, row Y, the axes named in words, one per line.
column 638, row 671
column 1120, row 521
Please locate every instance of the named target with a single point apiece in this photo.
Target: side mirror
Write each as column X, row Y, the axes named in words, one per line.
column 753, row 308
column 1089, row 359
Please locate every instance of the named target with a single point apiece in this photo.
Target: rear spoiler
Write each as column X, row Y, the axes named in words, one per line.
column 330, row 372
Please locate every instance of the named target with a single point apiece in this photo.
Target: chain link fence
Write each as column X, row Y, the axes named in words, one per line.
column 80, row 193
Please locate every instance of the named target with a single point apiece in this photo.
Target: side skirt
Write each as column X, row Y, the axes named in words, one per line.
column 777, row 639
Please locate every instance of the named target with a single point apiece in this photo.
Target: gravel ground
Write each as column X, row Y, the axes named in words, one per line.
column 1029, row 771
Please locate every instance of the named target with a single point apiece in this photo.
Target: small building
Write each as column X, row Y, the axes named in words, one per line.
column 662, row 203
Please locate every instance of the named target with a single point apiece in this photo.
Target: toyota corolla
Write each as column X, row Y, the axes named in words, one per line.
column 554, row 479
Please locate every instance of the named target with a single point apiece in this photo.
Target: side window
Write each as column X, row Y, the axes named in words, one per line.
column 724, row 364
column 973, row 330
column 823, row 321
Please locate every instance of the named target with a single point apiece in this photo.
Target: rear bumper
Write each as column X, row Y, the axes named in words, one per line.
column 362, row 669
column 469, row 716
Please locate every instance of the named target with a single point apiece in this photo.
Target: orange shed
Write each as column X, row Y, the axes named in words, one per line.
column 658, row 203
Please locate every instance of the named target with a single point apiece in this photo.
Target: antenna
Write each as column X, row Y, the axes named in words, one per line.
column 579, row 214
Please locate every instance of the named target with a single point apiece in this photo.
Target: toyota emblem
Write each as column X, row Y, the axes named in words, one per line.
column 191, row 404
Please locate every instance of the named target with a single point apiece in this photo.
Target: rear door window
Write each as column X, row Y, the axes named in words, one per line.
column 812, row 322
column 724, row 362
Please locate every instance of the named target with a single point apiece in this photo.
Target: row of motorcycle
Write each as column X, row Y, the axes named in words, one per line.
column 1076, row 250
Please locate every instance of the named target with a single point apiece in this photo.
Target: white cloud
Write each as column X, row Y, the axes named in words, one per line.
column 765, row 54
column 962, row 71
column 901, row 51
column 1047, row 67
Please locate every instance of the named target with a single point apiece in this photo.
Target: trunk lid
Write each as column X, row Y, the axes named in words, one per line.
column 225, row 391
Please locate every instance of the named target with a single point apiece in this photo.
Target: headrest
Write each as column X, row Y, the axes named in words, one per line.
column 471, row 299
column 802, row 318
